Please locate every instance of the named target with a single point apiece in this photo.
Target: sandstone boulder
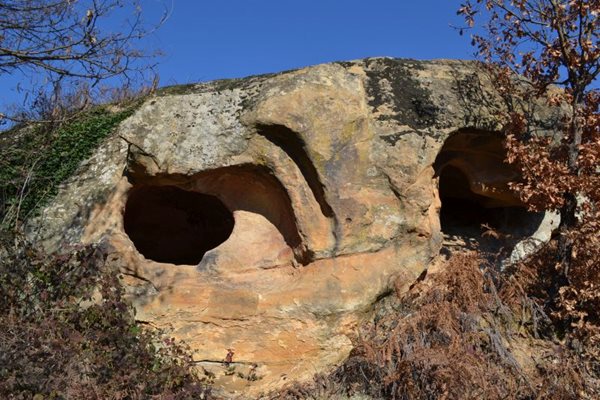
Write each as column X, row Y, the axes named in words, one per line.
column 268, row 214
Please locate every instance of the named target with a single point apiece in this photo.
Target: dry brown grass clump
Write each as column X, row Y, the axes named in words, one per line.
column 461, row 333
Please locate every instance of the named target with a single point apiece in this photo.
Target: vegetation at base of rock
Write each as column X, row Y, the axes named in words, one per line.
column 555, row 45
column 36, row 159
column 68, row 333
column 465, row 333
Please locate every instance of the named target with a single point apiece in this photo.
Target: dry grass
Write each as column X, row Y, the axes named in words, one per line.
column 68, row 333
column 462, row 333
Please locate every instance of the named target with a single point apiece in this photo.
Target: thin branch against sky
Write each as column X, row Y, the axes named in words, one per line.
column 234, row 38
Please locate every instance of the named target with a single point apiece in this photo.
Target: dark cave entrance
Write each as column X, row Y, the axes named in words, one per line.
column 466, row 213
column 171, row 225
column 474, row 193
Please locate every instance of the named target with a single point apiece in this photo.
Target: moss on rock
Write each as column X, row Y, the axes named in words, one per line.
column 35, row 159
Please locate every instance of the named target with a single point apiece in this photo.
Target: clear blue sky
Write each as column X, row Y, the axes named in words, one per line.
column 205, row 40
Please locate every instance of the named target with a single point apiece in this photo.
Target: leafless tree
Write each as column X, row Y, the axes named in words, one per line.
column 61, row 42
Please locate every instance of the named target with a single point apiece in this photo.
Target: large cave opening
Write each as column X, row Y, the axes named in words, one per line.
column 171, row 225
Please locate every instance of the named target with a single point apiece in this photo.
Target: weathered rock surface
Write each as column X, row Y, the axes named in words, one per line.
column 331, row 178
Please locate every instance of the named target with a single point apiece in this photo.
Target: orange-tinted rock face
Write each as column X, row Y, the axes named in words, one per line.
column 268, row 215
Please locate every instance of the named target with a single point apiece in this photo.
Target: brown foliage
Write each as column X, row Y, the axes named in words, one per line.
column 573, row 316
column 67, row 332
column 554, row 42
column 462, row 333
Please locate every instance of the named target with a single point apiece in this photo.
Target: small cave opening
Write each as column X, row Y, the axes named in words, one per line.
column 464, row 212
column 171, row 225
column 477, row 206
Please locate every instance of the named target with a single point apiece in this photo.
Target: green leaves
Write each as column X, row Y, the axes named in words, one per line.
column 36, row 160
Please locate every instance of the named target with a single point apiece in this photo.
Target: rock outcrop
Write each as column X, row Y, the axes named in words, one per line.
column 267, row 215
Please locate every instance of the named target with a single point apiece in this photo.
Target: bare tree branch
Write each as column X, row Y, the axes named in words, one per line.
column 75, row 40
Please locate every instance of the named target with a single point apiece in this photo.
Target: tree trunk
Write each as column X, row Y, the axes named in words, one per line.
column 568, row 212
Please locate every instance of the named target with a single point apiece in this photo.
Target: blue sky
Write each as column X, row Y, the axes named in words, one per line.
column 206, row 40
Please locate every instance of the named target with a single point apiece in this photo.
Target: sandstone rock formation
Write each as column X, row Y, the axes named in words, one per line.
column 268, row 214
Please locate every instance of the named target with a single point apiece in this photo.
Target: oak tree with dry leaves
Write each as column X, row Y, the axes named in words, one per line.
column 553, row 45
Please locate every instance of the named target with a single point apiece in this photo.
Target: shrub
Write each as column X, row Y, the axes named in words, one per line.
column 465, row 332
column 68, row 333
